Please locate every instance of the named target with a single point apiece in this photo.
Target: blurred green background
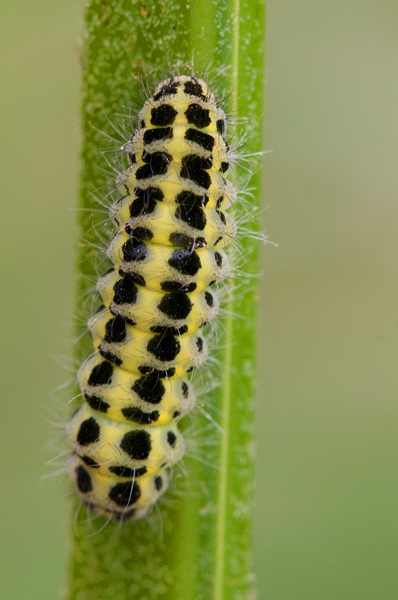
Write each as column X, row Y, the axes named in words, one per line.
column 326, row 514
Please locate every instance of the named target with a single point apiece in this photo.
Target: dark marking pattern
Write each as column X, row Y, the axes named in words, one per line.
column 220, row 126
column 219, row 201
column 186, row 241
column 193, row 88
column 125, row 494
column 154, row 135
column 90, row 462
column 126, row 472
column 145, row 201
column 115, row 330
column 198, row 116
column 141, row 233
column 176, row 286
column 222, row 217
column 110, row 356
column 126, row 291
column 205, row 140
column 156, row 164
column 183, row 241
column 167, row 90
column 135, row 277
column 89, row 432
column 150, row 389
column 193, row 168
column 83, row 480
column 192, row 215
column 164, row 347
column 96, row 403
column 187, row 263
column 134, row 250
column 171, row 438
column 156, row 372
column 209, row 299
column 137, row 444
column 191, row 199
column 101, row 374
column 218, row 259
column 135, row 414
column 163, row 115
column 175, row 306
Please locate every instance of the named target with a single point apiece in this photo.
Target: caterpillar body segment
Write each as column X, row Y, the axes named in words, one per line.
column 167, row 252
column 179, row 225
column 125, row 397
column 168, row 268
column 127, row 346
column 129, row 445
column 175, row 310
column 122, row 488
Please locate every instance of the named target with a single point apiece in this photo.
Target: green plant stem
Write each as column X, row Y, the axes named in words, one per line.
column 204, row 551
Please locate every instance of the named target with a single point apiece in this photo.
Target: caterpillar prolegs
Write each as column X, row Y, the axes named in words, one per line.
column 167, row 254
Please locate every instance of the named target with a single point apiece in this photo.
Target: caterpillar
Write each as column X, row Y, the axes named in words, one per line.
column 167, row 254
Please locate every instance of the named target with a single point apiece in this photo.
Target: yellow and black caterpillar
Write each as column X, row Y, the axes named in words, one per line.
column 167, row 254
